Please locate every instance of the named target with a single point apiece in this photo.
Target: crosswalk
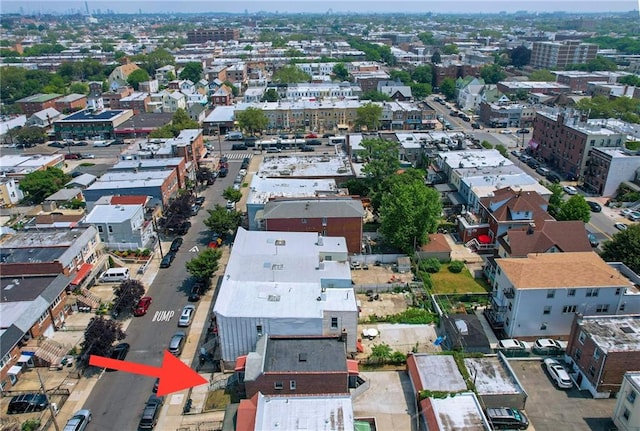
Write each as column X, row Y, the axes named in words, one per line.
column 238, row 156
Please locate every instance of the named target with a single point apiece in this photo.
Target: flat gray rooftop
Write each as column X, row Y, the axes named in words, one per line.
column 439, row 373
column 491, row 376
column 311, row 354
column 614, row 333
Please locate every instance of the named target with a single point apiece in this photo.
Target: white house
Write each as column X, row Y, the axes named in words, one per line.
column 121, row 227
column 539, row 295
column 626, row 414
column 284, row 283
column 175, row 101
column 44, row 118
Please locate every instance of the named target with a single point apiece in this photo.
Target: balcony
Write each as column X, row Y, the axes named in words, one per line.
column 509, row 293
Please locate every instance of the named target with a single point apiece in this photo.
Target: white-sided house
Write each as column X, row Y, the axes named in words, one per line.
column 121, row 227
column 538, row 296
column 626, row 414
column 44, row 118
column 175, row 101
column 284, row 283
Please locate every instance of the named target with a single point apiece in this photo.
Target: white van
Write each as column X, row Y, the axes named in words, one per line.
column 115, row 275
column 101, row 143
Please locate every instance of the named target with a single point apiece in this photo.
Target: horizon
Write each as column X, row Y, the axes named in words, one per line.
column 30, row 7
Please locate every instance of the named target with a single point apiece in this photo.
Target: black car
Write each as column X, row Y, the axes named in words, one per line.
column 175, row 245
column 223, row 172
column 306, row 149
column 167, row 259
column 314, row 142
column 80, row 144
column 56, row 144
column 594, row 206
column 118, row 141
column 199, row 200
column 197, row 290
column 239, row 147
column 150, row 413
column 523, row 131
column 554, row 178
column 119, row 352
column 328, row 135
column 27, row 403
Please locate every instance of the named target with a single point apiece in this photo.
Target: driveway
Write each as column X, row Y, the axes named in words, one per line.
column 389, row 399
column 549, row 408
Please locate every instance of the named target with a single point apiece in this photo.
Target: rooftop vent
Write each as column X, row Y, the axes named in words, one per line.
column 302, row 357
column 627, row 330
column 280, row 242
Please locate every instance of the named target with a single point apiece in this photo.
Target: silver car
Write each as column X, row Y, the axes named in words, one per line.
column 177, row 343
column 558, row 374
column 79, row 421
column 187, row 315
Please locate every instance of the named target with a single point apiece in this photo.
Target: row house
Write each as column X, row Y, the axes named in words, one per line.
column 112, row 97
column 223, row 96
column 137, row 101
column 542, row 87
column 145, row 158
column 71, row 103
column 121, row 227
column 165, row 74
column 31, row 104
column 538, row 296
column 237, row 74
column 183, row 85
column 601, row 350
column 564, row 141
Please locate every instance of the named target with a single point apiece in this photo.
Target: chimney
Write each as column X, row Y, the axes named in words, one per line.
column 531, row 228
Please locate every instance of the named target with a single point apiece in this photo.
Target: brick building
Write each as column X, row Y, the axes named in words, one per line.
column 213, row 34
column 453, row 71
column 558, row 55
column 71, row 103
column 38, row 102
column 601, row 350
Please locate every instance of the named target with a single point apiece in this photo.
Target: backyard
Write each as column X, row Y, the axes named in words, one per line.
column 446, row 282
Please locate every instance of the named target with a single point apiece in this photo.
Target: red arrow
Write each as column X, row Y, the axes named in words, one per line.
column 174, row 374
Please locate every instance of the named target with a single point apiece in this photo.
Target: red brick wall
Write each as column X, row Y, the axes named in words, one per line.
column 4, row 373
column 306, row 383
column 350, row 228
column 42, row 268
column 169, row 188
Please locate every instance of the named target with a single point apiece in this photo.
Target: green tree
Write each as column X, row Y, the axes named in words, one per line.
column 205, row 265
column 252, row 119
column 408, row 212
column 542, row 75
column 632, row 80
column 400, row 75
column 28, row 136
column 38, row 185
column 79, row 88
column 290, row 75
column 492, row 74
column 555, row 200
column 340, row 72
column 420, row 91
column 271, row 95
column 192, row 71
column 383, row 160
column 100, row 335
column 181, row 120
column 232, row 195
column 575, row 208
column 127, row 294
column 368, row 116
column 436, row 58
column 624, row 247
column 422, row 74
column 450, row 49
column 375, row 96
column 380, row 353
column 136, row 77
column 234, row 90
column 520, row 56
column 160, row 57
column 426, row 38
column 448, row 88
column 222, row 221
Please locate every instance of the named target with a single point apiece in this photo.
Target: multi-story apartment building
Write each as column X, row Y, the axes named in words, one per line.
column 626, row 413
column 607, row 168
column 32, row 104
column 558, row 55
column 579, row 81
column 88, row 124
column 137, row 102
column 564, row 141
column 601, row 350
column 212, row 34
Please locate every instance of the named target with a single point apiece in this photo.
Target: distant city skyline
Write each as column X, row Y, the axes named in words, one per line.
column 313, row 6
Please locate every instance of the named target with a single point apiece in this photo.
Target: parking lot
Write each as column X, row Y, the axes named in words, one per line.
column 550, row 408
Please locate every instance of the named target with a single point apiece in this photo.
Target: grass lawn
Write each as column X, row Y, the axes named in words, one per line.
column 448, row 282
column 217, row 400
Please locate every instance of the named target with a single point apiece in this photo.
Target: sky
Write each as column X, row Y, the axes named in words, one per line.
column 315, row 6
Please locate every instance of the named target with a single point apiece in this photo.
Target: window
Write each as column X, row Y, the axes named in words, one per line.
column 571, row 292
column 551, row 293
column 547, row 310
column 581, row 337
column 259, row 330
column 334, row 322
column 631, row 397
column 618, row 290
column 596, row 355
column 592, row 292
column 626, row 414
column 569, row 309
column 578, row 354
column 278, row 385
column 292, row 385
column 110, row 228
column 303, row 221
column 43, row 317
column 506, row 322
column 543, row 327
column 100, row 228
column 592, row 371
column 510, row 306
column 602, row 308
column 5, row 360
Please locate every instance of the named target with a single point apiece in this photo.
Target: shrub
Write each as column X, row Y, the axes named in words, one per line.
column 456, row 266
column 431, row 265
column 487, row 145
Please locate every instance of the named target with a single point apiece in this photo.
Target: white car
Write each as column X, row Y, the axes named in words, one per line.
column 558, row 373
column 506, row 132
column 620, row 226
column 242, row 172
column 514, row 347
column 187, row 315
column 570, row 190
column 79, row 421
column 625, row 212
column 634, row 216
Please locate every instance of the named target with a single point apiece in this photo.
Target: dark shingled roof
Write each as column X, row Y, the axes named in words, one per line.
column 565, row 236
column 305, row 354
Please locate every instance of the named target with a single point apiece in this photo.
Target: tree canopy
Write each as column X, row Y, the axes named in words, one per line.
column 290, row 75
column 624, row 108
column 252, row 119
column 448, row 88
column 221, row 220
column 271, row 95
column 492, row 74
column 542, row 75
column 205, row 265
column 369, row 116
column 375, row 96
column 232, row 195
column 340, row 72
column 100, row 335
column 179, row 121
column 624, row 247
column 127, row 294
column 136, row 77
column 37, row 185
column 575, row 208
column 192, row 71
column 520, row 56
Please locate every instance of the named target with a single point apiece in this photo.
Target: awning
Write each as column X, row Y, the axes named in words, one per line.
column 484, row 239
column 84, row 270
column 240, row 363
column 25, row 357
column 352, row 367
column 15, row 370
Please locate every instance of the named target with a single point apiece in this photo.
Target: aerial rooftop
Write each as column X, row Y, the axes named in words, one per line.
column 619, row 333
column 263, row 189
column 316, row 166
column 492, row 376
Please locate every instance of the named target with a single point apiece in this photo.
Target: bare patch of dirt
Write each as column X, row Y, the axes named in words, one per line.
column 379, row 275
column 387, row 305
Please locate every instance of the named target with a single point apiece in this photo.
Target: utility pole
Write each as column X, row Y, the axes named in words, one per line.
column 219, row 141
column 51, row 409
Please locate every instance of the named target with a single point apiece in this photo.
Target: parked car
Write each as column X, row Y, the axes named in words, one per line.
column 594, row 206
column 593, row 240
column 27, row 403
column 621, row 226
column 242, row 172
column 72, row 156
column 554, row 178
column 522, row 131
column 558, row 374
column 56, row 144
column 199, row 200
column 177, row 343
column 167, row 259
column 507, row 418
column 119, row 352
column 547, row 346
column 142, row 306
column 634, row 216
column 196, row 292
column 239, row 147
column 311, row 136
column 186, row 316
column 118, row 141
column 506, row 132
column 328, row 135
column 516, row 154
column 84, row 144
column 78, row 421
column 307, row 149
column 570, row 190
column 88, row 156
column 195, row 208
column 625, row 212
column 314, row 142
column 223, row 172
column 231, row 205
column 150, row 413
column 513, row 347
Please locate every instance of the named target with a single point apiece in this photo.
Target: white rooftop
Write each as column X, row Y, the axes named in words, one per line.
column 474, row 158
column 112, row 213
column 322, row 412
column 263, row 189
column 462, row 412
column 619, row 333
column 491, row 376
column 322, row 165
column 439, row 373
